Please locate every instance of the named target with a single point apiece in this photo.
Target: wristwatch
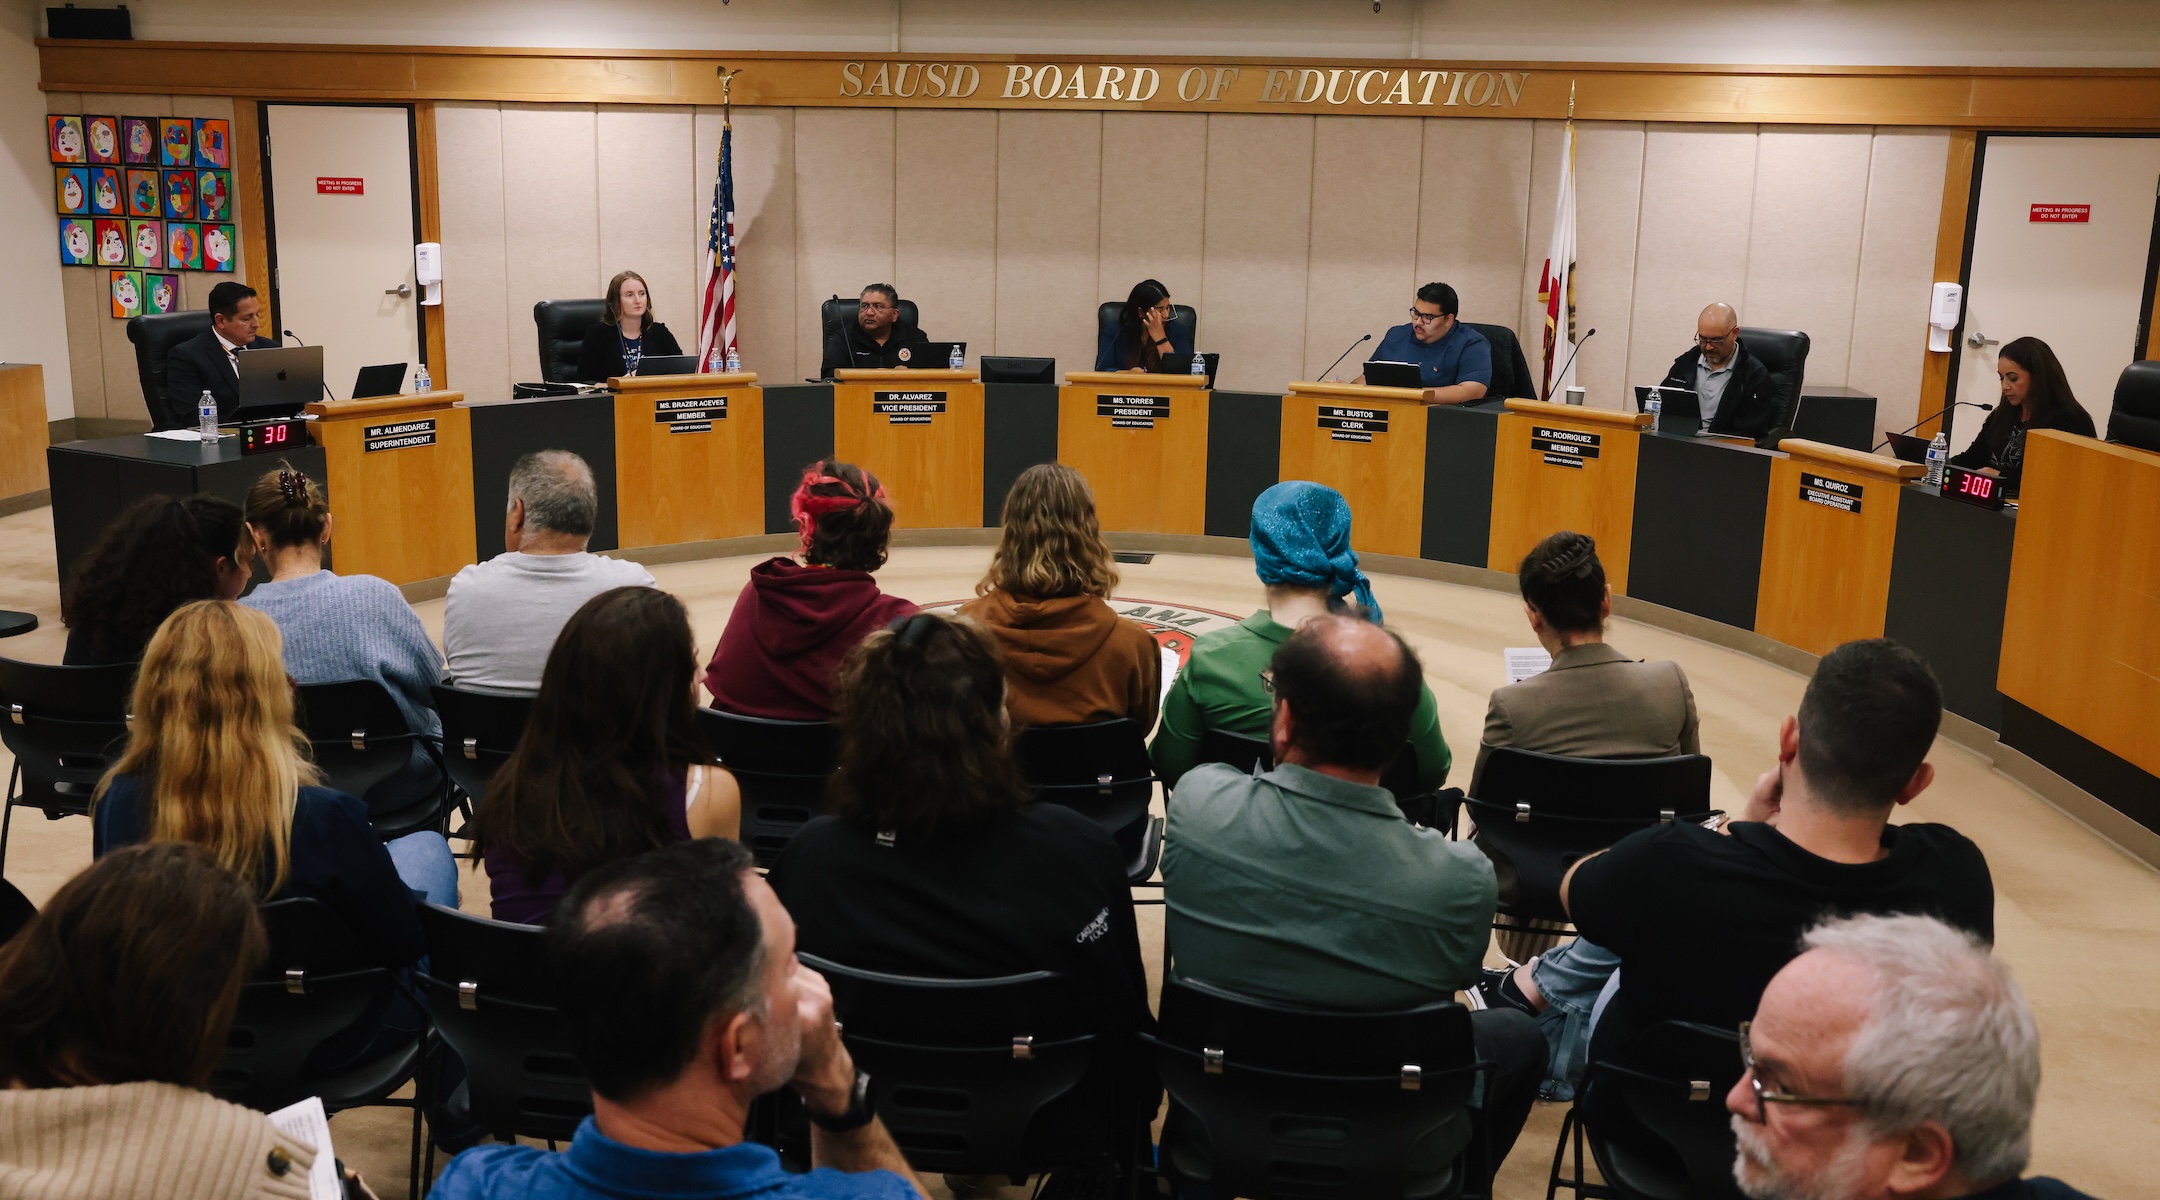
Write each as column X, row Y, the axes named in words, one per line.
column 857, row 1114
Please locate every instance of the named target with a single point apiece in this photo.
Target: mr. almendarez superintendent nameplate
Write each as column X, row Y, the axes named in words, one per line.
column 907, row 408
column 1564, row 447
column 1830, row 493
column 402, row 436
column 1352, row 424
column 1132, row 412
column 690, row 416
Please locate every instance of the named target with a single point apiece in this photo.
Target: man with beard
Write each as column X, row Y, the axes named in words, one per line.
column 1893, row 1060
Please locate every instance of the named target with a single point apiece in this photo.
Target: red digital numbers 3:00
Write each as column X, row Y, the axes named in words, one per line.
column 1977, row 485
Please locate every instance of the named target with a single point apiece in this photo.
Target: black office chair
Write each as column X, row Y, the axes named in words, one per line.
column 781, row 767
column 1510, row 370
column 1108, row 313
column 365, row 749
column 1433, row 810
column 1654, row 1120
column 317, row 983
column 2135, row 420
column 65, row 726
column 1101, row 770
column 1784, row 353
column 834, row 313
column 16, row 911
column 561, row 325
column 479, row 732
column 489, row 996
column 1537, row 814
column 154, row 337
column 1269, row 1100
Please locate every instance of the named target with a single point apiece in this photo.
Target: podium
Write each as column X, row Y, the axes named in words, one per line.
column 921, row 434
column 689, row 458
column 1827, row 544
column 22, row 436
column 1141, row 440
column 1564, row 466
column 1369, row 444
column 400, row 474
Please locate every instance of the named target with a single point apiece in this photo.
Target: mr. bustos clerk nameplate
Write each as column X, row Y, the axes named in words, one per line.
column 1352, row 424
column 907, row 408
column 1132, row 412
column 690, row 416
column 1564, row 447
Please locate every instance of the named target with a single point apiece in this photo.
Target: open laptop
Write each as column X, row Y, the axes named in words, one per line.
column 936, row 355
column 1908, row 448
column 1380, row 373
column 1679, row 409
column 382, row 379
column 667, row 364
column 278, row 381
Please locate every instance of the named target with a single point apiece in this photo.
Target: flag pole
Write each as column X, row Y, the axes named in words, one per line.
column 1570, row 99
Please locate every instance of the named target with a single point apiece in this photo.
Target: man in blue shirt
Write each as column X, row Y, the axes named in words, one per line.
column 677, row 978
column 1454, row 361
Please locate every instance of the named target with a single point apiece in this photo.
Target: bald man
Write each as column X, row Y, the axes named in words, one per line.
column 1738, row 396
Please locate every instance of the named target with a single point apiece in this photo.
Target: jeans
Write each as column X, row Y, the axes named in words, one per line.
column 1575, row 981
column 1509, row 1041
column 424, row 862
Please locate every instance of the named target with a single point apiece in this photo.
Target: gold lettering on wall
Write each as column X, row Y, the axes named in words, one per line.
column 1101, row 85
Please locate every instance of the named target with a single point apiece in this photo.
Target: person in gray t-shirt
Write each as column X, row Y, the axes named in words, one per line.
column 502, row 616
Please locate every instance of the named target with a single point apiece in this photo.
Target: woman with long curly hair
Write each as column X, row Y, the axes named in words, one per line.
column 160, row 553
column 2035, row 395
column 1068, row 657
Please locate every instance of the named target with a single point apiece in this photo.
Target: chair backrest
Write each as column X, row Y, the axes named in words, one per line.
column 154, row 337
column 980, row 1076
column 1100, row 768
column 15, row 911
column 358, row 732
column 65, row 726
column 479, row 733
column 1784, row 352
column 1245, row 753
column 1109, row 313
column 2135, row 419
column 1301, row 1102
column 781, row 767
column 1655, row 1116
column 489, row 995
column 561, row 325
column 1510, row 371
column 833, row 313
column 316, row 983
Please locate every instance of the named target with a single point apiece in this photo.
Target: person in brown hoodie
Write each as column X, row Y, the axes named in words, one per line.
column 1068, row 658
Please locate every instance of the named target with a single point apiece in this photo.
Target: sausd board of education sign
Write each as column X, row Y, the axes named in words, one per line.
column 1364, row 88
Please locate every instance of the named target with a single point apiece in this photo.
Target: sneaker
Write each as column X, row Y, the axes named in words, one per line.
column 1497, row 990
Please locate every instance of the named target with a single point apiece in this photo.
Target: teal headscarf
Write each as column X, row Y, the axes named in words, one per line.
column 1301, row 538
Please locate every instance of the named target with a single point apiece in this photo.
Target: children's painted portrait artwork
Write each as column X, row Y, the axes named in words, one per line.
column 105, row 199
column 112, row 243
column 143, row 194
column 176, row 141
column 218, row 242
column 64, row 139
column 78, row 242
column 161, row 293
column 213, row 195
column 71, row 191
column 213, row 142
column 127, row 292
column 101, row 137
column 179, row 195
column 146, row 243
column 183, row 245
column 138, row 141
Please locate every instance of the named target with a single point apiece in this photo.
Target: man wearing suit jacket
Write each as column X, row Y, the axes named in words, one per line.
column 204, row 363
column 1737, row 393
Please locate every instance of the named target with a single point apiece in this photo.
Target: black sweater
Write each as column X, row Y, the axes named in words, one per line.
column 601, row 355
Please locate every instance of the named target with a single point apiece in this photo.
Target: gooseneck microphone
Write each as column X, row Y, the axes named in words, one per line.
column 1345, row 354
column 1562, row 373
column 1938, row 412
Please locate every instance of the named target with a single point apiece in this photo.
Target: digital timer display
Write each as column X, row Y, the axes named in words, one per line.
column 1972, row 487
column 268, row 437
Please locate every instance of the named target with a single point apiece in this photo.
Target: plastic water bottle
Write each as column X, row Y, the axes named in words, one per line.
column 958, row 360
column 1653, row 406
column 422, row 383
column 1938, row 456
column 1199, row 363
column 734, row 360
column 206, row 418
column 715, row 362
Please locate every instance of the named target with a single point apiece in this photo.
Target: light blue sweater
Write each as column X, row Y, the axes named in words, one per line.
column 341, row 627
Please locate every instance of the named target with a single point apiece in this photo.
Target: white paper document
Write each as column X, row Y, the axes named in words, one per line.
column 1525, row 661
column 181, row 435
column 307, row 1123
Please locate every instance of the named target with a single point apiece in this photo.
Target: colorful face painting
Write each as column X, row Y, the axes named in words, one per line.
column 161, row 293
column 71, row 190
column 146, row 243
column 105, row 192
column 143, row 194
column 76, row 242
column 213, row 195
column 102, row 135
column 212, row 142
column 64, row 138
column 183, row 245
column 176, row 141
column 180, row 195
column 138, row 141
column 112, row 244
column 217, row 247
column 126, row 294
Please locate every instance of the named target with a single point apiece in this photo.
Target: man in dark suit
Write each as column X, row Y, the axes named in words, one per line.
column 204, row 363
column 1737, row 393
column 879, row 339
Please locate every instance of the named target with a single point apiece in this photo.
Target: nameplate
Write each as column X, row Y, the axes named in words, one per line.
column 402, row 436
column 1564, row 443
column 1132, row 412
column 1830, row 493
column 690, row 416
column 1352, row 424
column 907, row 408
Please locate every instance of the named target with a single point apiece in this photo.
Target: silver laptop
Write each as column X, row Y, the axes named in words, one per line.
column 278, row 382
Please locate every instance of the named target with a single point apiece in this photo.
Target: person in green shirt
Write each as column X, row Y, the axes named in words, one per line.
column 1301, row 550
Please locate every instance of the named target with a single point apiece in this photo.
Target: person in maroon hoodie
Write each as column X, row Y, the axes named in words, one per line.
column 795, row 622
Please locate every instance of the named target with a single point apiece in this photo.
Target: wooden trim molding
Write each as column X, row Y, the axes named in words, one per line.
column 1998, row 98
column 427, row 180
column 249, row 206
column 1949, row 267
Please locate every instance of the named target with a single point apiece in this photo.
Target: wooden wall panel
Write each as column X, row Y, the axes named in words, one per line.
column 677, row 482
column 1803, row 270
column 1049, row 230
column 1474, row 205
column 1365, row 232
column 932, row 471
column 1697, row 210
column 1383, row 479
column 844, row 236
column 645, row 170
column 1949, row 266
column 22, row 429
column 551, row 212
column 1146, row 480
column 945, row 205
column 1897, row 263
column 476, row 249
column 1826, row 570
column 1257, row 246
column 407, row 512
column 1154, row 208
column 1537, row 493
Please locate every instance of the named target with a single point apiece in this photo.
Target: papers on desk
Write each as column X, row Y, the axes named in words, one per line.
column 1525, row 661
column 182, row 435
column 308, row 1124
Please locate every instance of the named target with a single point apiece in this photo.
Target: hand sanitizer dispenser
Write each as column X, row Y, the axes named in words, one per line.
column 427, row 271
column 1944, row 313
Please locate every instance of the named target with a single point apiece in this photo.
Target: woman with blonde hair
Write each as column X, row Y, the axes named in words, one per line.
column 1068, row 657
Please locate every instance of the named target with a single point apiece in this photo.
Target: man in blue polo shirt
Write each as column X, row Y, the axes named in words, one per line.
column 1454, row 361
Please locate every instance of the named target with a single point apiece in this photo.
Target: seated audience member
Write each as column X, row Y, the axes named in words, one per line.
column 677, row 979
column 610, row 763
column 1305, row 885
column 160, row 553
column 501, row 616
column 205, row 363
column 2035, row 395
column 876, row 338
column 1068, row 657
column 1737, row 394
column 115, row 1003
column 626, row 333
column 1454, row 361
column 213, row 759
column 1895, row 1059
column 1701, row 919
column 1145, row 340
column 1301, row 550
column 794, row 624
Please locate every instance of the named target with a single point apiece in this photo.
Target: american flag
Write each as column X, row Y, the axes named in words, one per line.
column 716, row 322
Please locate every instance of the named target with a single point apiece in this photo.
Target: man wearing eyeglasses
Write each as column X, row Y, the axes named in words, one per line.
column 1454, row 361
column 1737, row 393
column 876, row 338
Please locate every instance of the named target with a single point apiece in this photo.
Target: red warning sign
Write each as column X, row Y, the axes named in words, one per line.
column 2069, row 214
column 330, row 186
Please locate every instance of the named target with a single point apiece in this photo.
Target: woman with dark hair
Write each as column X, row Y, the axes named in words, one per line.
column 610, row 764
column 2035, row 395
column 625, row 334
column 160, row 553
column 795, row 622
column 115, row 1003
column 1145, row 339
